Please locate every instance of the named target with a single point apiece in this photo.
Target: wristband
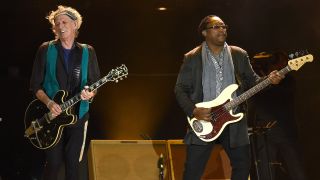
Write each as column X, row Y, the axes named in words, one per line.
column 49, row 103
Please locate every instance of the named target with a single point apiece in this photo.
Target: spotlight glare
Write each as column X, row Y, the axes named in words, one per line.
column 162, row 8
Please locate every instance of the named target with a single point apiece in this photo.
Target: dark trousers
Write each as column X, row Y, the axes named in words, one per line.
column 198, row 156
column 67, row 153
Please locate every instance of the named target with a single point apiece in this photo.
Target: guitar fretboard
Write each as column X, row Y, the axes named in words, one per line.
column 113, row 75
column 72, row 101
column 252, row 91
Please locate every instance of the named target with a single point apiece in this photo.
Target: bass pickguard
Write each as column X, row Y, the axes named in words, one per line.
column 210, row 130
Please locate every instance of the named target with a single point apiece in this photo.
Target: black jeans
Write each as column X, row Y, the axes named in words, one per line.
column 67, row 153
column 198, row 156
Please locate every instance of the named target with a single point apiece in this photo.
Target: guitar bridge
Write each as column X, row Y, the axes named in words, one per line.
column 33, row 128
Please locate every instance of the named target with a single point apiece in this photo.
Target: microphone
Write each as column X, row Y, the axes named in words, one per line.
column 160, row 162
column 161, row 167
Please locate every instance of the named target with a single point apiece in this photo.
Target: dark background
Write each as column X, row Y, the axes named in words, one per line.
column 151, row 43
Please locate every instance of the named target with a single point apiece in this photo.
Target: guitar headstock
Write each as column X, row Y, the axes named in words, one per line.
column 118, row 73
column 297, row 61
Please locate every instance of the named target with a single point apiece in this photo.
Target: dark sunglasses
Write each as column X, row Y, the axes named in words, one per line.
column 218, row 27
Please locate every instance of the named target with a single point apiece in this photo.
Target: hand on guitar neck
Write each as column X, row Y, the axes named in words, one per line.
column 275, row 77
column 87, row 94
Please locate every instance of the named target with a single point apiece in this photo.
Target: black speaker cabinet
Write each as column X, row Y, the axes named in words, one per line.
column 127, row 160
column 218, row 166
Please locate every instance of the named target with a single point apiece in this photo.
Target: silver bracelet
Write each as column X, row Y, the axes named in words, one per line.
column 49, row 103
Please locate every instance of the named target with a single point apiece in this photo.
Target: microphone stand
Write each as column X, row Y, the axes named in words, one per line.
column 160, row 160
column 256, row 131
column 254, row 155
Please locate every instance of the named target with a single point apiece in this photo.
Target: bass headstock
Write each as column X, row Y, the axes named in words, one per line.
column 298, row 59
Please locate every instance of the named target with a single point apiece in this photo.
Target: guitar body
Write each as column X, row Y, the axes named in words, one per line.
column 44, row 131
column 210, row 130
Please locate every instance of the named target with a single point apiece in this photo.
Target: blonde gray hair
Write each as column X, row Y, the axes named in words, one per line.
column 64, row 10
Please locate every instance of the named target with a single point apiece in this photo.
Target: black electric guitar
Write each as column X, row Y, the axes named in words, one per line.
column 221, row 107
column 44, row 131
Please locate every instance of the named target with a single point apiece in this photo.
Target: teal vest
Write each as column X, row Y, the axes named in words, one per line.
column 51, row 85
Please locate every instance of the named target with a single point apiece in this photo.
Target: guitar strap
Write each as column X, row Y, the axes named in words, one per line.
column 236, row 65
column 84, row 105
column 51, row 85
column 237, row 73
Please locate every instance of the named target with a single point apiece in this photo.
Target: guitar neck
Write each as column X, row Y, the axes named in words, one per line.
column 252, row 91
column 74, row 100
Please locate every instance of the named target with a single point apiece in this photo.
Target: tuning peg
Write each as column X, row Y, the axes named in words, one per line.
column 304, row 52
column 291, row 56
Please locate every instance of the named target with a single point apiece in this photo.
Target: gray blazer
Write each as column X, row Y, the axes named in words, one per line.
column 188, row 90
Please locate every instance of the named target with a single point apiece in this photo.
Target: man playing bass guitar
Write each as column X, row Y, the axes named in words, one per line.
column 206, row 71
